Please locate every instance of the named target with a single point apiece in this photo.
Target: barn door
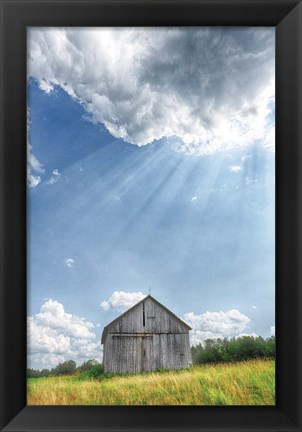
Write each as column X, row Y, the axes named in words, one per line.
column 147, row 353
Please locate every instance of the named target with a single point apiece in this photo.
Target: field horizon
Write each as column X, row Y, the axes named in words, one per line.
column 249, row 382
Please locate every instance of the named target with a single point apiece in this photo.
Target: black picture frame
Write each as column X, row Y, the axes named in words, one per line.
column 285, row 16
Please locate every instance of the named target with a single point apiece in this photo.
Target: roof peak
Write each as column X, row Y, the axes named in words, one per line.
column 135, row 305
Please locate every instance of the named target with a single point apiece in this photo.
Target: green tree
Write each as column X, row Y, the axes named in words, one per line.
column 66, row 368
column 88, row 365
column 32, row 373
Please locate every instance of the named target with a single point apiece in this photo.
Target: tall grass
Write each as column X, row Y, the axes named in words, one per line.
column 245, row 383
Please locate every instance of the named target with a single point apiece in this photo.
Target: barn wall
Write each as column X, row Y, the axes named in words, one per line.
column 123, row 354
column 159, row 320
column 128, row 353
column 173, row 351
column 146, row 338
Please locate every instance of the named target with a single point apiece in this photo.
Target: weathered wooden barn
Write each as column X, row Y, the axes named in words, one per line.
column 144, row 338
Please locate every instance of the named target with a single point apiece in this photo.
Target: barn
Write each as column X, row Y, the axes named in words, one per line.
column 144, row 338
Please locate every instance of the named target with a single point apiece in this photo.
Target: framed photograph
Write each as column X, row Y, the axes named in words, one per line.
column 150, row 236
column 151, row 158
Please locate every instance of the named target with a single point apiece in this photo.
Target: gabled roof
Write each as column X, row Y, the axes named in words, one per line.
column 104, row 334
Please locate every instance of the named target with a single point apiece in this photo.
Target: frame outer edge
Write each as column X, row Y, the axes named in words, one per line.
column 288, row 212
column 4, row 220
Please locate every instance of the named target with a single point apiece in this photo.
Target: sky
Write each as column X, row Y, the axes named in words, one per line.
column 151, row 168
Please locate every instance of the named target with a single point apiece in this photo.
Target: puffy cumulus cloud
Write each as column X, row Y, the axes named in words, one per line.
column 272, row 331
column 55, row 336
column 121, row 300
column 213, row 325
column 212, row 88
column 53, row 315
column 45, row 339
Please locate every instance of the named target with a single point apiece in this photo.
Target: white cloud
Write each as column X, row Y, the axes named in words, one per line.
column 116, row 197
column 51, row 181
column 212, row 325
column 254, row 307
column 32, row 180
column 198, row 336
column 44, row 339
column 247, row 334
column 32, row 162
column 235, row 168
column 121, row 300
column 269, row 139
column 54, row 178
column 211, row 88
column 46, row 86
column 55, row 336
column 69, row 262
column 194, row 198
column 272, row 330
column 53, row 315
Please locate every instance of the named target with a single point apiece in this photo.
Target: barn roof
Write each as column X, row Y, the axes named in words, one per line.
column 105, row 331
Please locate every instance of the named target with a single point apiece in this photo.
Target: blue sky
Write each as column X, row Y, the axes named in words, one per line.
column 151, row 164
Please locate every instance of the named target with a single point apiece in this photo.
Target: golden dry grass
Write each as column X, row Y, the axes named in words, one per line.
column 245, row 383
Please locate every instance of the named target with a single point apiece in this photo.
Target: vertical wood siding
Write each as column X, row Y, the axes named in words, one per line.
column 157, row 320
column 145, row 339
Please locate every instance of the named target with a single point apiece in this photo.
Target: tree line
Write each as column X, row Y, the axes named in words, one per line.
column 211, row 351
column 68, row 367
column 233, row 350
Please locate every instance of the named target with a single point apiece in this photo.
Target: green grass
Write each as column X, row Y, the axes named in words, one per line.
column 245, row 383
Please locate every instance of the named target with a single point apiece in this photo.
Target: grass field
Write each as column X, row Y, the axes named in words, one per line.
column 245, row 383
